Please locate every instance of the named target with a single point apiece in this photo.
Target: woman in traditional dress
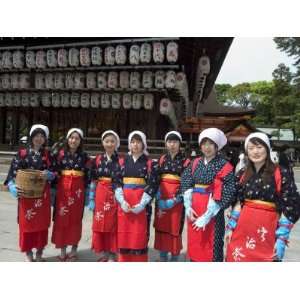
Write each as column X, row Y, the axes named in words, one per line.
column 105, row 176
column 169, row 210
column 72, row 168
column 209, row 188
column 267, row 207
column 34, row 214
column 134, row 210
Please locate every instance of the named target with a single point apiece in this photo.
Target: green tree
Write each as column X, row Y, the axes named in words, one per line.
column 222, row 92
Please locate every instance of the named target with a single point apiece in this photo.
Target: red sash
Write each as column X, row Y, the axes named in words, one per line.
column 105, row 213
column 35, row 214
column 132, row 228
column 254, row 240
column 200, row 243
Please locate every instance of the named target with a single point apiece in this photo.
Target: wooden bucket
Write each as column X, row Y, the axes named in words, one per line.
column 31, row 183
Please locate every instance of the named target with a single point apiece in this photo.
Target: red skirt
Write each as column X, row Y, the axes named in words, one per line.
column 253, row 239
column 132, row 258
column 200, row 243
column 104, row 241
column 132, row 228
column 33, row 240
column 167, row 223
column 68, row 215
column 104, row 219
column 34, row 216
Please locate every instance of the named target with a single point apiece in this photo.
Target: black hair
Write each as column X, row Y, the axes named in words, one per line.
column 269, row 169
column 173, row 137
column 34, row 133
column 66, row 145
column 138, row 138
column 109, row 134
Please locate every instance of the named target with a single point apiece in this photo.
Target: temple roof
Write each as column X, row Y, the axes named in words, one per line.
column 211, row 107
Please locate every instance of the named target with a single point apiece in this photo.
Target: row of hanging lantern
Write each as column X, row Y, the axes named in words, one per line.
column 135, row 54
column 76, row 100
column 79, row 80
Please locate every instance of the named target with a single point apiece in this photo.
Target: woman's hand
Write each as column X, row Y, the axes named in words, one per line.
column 192, row 215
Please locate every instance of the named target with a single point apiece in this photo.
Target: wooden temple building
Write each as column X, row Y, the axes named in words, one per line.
column 149, row 84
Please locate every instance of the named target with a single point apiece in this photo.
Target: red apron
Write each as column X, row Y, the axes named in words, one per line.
column 34, row 216
column 105, row 214
column 253, row 239
column 35, row 213
column 201, row 242
column 132, row 228
column 105, row 218
column 69, row 209
column 167, row 223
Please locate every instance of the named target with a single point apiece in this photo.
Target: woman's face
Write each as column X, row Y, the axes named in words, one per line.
column 109, row 143
column 38, row 140
column 136, row 146
column 74, row 141
column 173, row 146
column 256, row 153
column 208, row 148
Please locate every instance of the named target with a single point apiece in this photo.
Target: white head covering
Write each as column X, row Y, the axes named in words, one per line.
column 214, row 134
column 78, row 130
column 259, row 135
column 42, row 127
column 114, row 134
column 173, row 132
column 143, row 137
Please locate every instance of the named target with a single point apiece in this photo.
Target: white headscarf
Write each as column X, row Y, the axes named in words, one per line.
column 259, row 135
column 143, row 137
column 214, row 134
column 42, row 127
column 114, row 134
column 78, row 130
column 173, row 132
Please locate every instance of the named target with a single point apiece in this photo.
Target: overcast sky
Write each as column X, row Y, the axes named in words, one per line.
column 252, row 59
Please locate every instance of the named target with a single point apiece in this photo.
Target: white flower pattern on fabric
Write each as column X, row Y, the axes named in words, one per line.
column 99, row 216
column 30, row 213
column 237, row 254
column 250, row 243
column 78, row 193
column 38, row 203
column 262, row 231
column 106, row 206
column 71, row 201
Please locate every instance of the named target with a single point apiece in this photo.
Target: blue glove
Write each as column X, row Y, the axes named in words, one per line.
column 91, row 205
column 232, row 222
column 282, row 234
column 170, row 203
column 164, row 204
column 212, row 209
column 90, row 193
column 280, row 248
column 187, row 201
column 12, row 188
column 119, row 195
column 141, row 206
column 50, row 175
column 158, row 195
column 161, row 204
